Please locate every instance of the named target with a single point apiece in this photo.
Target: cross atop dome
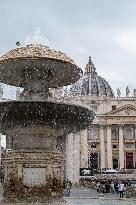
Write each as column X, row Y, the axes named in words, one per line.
column 90, row 60
column 90, row 68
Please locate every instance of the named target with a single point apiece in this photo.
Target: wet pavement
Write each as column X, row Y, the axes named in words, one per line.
column 83, row 196
column 99, row 202
column 90, row 193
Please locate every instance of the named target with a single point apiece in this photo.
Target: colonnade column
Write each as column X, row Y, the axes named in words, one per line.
column 135, row 141
column 109, row 148
column 121, row 148
column 135, row 131
column 76, row 157
column 0, row 147
column 102, row 147
column 69, row 157
column 83, row 149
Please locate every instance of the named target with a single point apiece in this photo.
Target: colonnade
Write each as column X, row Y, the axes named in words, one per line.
column 76, row 154
column 106, row 151
column 77, row 151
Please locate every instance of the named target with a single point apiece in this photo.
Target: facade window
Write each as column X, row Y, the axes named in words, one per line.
column 114, row 134
column 114, row 146
column 93, row 145
column 93, row 161
column 59, row 143
column 115, row 163
column 128, row 133
column 93, row 134
column 113, row 107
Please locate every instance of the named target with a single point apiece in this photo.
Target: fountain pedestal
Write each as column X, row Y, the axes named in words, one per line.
column 33, row 173
column 33, row 165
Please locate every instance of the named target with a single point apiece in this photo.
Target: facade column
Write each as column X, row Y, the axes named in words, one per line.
column 135, row 152
column 135, row 132
column 102, row 147
column 76, row 156
column 19, row 171
column 69, row 157
column 0, row 147
column 83, row 149
column 121, row 148
column 109, row 148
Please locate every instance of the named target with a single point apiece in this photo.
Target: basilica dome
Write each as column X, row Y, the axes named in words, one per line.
column 92, row 84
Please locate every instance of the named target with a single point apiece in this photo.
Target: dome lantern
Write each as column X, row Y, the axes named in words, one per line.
column 90, row 68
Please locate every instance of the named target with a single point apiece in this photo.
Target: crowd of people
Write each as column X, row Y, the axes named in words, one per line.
column 105, row 186
column 112, row 186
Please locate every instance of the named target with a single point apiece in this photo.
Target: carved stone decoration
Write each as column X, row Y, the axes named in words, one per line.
column 128, row 110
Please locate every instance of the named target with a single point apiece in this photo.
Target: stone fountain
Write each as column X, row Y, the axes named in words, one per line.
column 33, row 165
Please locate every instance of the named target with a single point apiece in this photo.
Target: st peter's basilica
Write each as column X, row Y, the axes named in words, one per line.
column 110, row 141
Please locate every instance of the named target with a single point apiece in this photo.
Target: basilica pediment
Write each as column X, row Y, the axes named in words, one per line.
column 127, row 110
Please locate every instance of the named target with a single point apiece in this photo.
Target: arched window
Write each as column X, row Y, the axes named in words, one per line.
column 114, row 134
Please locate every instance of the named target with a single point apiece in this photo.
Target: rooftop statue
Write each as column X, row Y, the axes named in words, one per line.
column 118, row 92
column 127, row 91
column 134, row 93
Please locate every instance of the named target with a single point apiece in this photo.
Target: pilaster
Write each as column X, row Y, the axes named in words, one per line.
column 0, row 147
column 121, row 147
column 76, row 157
column 83, row 149
column 69, row 157
column 102, row 147
column 109, row 148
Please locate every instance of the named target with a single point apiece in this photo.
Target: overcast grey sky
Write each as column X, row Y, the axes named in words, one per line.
column 104, row 29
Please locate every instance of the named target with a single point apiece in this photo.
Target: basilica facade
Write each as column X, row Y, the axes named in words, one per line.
column 110, row 141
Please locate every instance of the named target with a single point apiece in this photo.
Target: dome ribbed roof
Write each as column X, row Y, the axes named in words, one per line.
column 92, row 84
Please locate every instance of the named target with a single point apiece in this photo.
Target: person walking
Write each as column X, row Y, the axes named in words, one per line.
column 107, row 187
column 67, row 186
column 98, row 186
column 116, row 186
column 112, row 187
column 121, row 189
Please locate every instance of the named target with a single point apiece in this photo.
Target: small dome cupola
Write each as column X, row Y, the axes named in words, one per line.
column 90, row 68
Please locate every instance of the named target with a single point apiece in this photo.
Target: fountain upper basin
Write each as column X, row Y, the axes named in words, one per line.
column 58, row 115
